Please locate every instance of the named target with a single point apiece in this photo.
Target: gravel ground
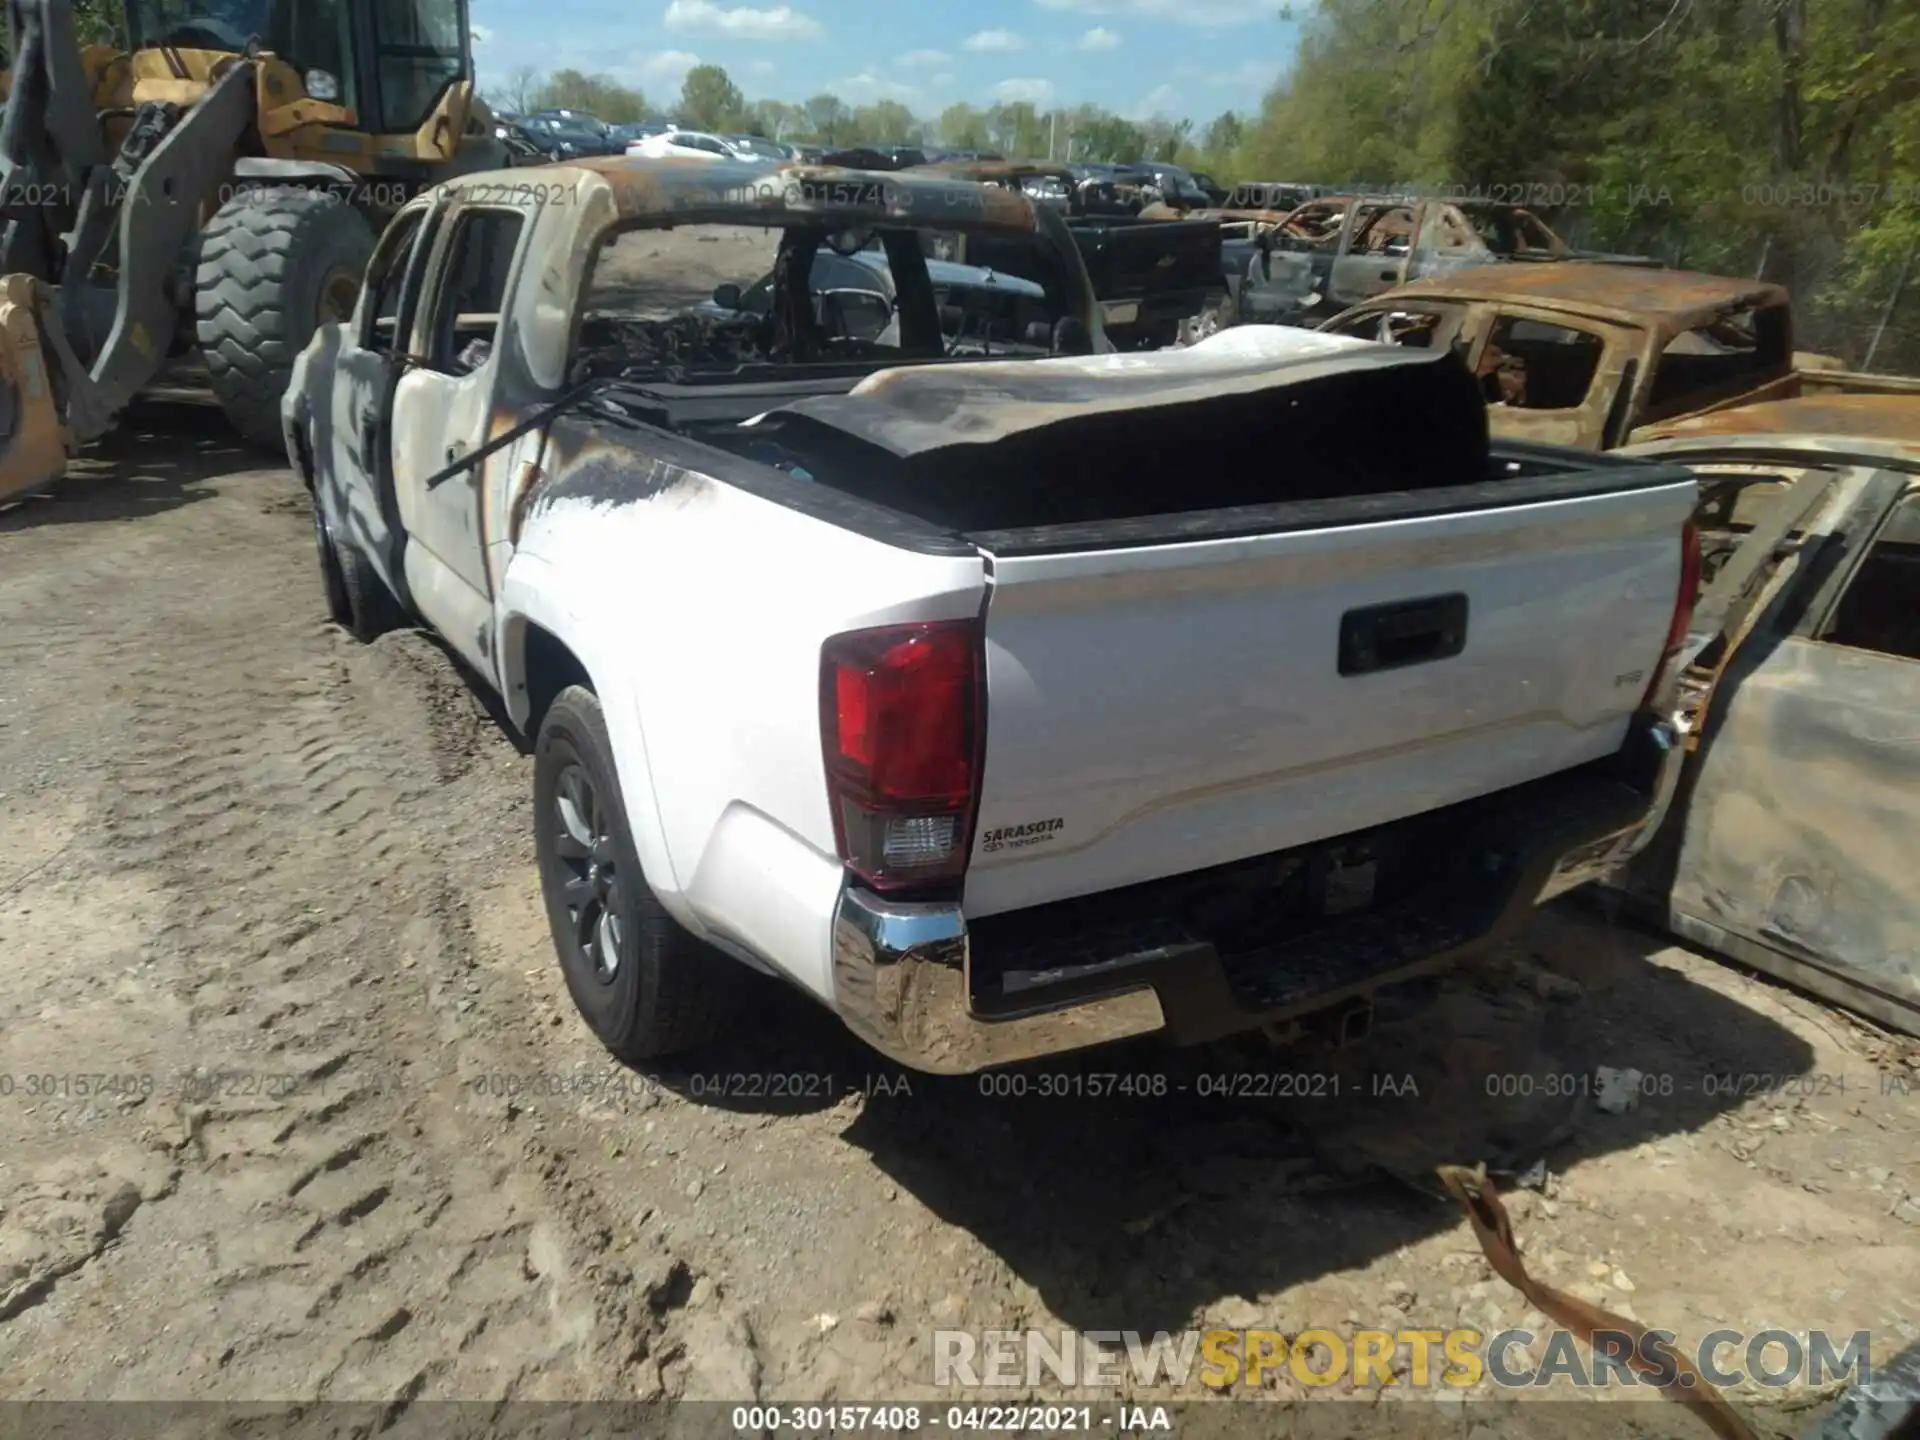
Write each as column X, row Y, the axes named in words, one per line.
column 293, row 1104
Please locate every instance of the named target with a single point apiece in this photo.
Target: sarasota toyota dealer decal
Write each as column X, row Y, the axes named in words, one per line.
column 1018, row 837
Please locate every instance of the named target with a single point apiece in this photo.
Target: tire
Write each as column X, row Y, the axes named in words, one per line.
column 371, row 609
column 333, row 583
column 274, row 264
column 644, row 986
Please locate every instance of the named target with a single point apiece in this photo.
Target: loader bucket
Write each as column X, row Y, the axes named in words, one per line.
column 33, row 441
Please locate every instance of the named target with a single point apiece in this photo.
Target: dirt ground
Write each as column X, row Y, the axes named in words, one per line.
column 293, row 1104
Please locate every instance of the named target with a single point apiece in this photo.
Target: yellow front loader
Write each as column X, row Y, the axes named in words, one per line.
column 218, row 185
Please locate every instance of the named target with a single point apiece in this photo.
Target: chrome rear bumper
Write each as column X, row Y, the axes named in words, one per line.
column 900, row 984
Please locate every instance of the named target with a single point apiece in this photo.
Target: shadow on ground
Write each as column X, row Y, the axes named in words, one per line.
column 161, row 455
column 1134, row 1185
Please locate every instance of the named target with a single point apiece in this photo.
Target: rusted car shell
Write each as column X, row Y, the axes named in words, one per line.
column 1891, row 418
column 1666, row 302
column 1796, row 856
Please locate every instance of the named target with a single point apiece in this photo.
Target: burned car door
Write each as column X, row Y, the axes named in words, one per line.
column 1791, row 845
column 443, row 409
column 1549, row 377
column 372, row 356
column 1374, row 253
column 1419, row 325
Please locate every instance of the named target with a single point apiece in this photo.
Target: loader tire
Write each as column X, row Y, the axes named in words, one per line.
column 275, row 263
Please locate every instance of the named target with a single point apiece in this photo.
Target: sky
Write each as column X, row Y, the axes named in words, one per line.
column 1137, row 58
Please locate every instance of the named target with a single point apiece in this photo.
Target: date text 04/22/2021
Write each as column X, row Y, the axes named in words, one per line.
column 918, row 1419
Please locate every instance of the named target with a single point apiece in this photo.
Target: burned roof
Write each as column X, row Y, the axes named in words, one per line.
column 1867, row 417
column 779, row 192
column 1629, row 294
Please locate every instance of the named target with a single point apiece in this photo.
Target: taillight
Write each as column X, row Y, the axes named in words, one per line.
column 900, row 718
column 1682, row 607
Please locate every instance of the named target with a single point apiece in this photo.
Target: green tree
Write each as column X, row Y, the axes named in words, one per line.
column 827, row 116
column 709, row 100
column 1222, row 138
column 1110, row 140
column 599, row 95
column 962, row 127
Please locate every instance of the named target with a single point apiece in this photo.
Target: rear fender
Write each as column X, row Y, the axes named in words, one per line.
column 536, row 593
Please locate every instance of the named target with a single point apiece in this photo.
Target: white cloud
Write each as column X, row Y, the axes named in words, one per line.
column 703, row 17
column 869, row 86
column 996, row 42
column 921, row 59
column 1164, row 100
column 761, row 67
column 669, row 67
column 1034, row 92
column 1208, row 14
column 1100, row 38
column 942, row 81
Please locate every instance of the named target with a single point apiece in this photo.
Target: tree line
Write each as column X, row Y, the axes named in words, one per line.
column 709, row 99
column 1769, row 138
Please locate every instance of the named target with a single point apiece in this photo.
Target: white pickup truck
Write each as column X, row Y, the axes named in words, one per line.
column 1005, row 695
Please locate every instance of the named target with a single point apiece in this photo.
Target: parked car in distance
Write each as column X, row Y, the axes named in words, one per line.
column 1215, row 192
column 1790, row 845
column 756, row 147
column 1377, row 702
column 624, row 135
column 1591, row 354
column 584, row 120
column 685, row 144
column 560, row 139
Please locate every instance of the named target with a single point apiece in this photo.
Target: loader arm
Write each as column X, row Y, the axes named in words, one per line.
column 50, row 137
column 81, row 333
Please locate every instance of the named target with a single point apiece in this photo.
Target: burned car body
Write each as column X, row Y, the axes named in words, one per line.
column 1337, row 251
column 1591, row 354
column 1790, row 844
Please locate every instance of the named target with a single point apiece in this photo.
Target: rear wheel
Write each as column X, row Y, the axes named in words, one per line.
column 276, row 263
column 371, row 609
column 644, row 986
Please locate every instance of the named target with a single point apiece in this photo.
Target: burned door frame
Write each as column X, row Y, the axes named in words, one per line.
column 1583, row 425
column 361, row 403
column 1388, row 272
column 447, row 559
column 1459, row 333
column 1788, row 847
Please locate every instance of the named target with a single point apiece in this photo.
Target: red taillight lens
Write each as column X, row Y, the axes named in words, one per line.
column 1682, row 607
column 900, row 711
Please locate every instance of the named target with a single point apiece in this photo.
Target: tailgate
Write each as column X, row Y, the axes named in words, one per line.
column 1170, row 707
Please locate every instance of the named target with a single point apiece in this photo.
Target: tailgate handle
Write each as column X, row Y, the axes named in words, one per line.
column 1403, row 632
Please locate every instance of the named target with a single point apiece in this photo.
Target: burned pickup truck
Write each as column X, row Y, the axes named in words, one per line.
column 1588, row 355
column 1005, row 706
column 1337, row 251
column 1150, row 274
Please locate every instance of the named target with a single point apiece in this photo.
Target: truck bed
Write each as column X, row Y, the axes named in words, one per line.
column 1291, row 594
